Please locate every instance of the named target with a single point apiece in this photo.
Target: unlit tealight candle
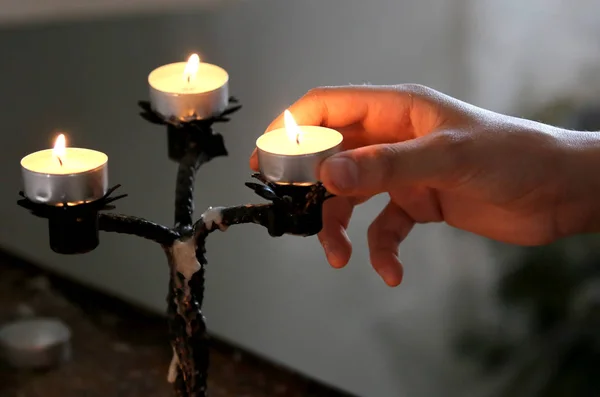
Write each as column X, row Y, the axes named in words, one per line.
column 35, row 343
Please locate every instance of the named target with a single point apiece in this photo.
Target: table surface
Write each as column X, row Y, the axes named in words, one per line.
column 111, row 357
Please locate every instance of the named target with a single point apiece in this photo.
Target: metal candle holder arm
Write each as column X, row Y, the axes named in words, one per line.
column 295, row 210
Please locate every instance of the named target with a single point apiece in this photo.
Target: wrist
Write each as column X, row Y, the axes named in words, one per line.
column 581, row 151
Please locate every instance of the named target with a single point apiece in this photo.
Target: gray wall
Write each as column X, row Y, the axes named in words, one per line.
column 276, row 297
column 35, row 11
column 524, row 54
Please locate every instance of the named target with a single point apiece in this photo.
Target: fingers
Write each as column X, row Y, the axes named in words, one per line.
column 385, row 234
column 334, row 239
column 336, row 107
column 439, row 160
column 385, row 113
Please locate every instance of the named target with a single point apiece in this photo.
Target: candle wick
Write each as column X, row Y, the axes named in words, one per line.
column 59, row 161
column 189, row 79
column 298, row 139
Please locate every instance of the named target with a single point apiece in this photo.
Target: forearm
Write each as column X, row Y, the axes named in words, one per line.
column 568, row 160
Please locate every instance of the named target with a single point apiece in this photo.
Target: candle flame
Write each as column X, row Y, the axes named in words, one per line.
column 191, row 68
column 293, row 131
column 60, row 148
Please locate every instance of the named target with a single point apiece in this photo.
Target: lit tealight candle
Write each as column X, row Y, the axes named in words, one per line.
column 65, row 175
column 191, row 90
column 291, row 155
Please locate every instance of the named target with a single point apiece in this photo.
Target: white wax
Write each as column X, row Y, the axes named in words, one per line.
column 170, row 79
column 75, row 161
column 314, row 139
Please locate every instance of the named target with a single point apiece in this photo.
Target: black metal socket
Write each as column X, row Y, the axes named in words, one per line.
column 296, row 210
column 177, row 143
column 196, row 137
column 72, row 229
column 192, row 136
column 73, row 232
column 293, row 215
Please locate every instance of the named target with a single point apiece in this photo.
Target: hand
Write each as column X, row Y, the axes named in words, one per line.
column 442, row 160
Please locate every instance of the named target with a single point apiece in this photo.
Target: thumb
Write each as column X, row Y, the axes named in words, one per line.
column 371, row 170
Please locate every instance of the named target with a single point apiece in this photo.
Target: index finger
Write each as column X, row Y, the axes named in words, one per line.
column 337, row 107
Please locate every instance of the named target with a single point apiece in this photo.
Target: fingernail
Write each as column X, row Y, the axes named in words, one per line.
column 390, row 276
column 341, row 171
column 331, row 254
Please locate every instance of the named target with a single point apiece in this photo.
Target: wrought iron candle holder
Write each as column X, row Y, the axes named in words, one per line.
column 295, row 210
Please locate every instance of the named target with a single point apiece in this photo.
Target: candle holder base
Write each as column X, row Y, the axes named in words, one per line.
column 296, row 209
column 72, row 229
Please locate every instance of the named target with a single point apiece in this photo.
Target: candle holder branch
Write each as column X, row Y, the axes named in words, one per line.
column 292, row 209
column 126, row 224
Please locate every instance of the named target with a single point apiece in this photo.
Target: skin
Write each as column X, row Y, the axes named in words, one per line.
column 442, row 160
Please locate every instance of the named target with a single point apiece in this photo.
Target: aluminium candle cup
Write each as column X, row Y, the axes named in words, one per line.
column 295, row 169
column 211, row 97
column 55, row 189
column 35, row 343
